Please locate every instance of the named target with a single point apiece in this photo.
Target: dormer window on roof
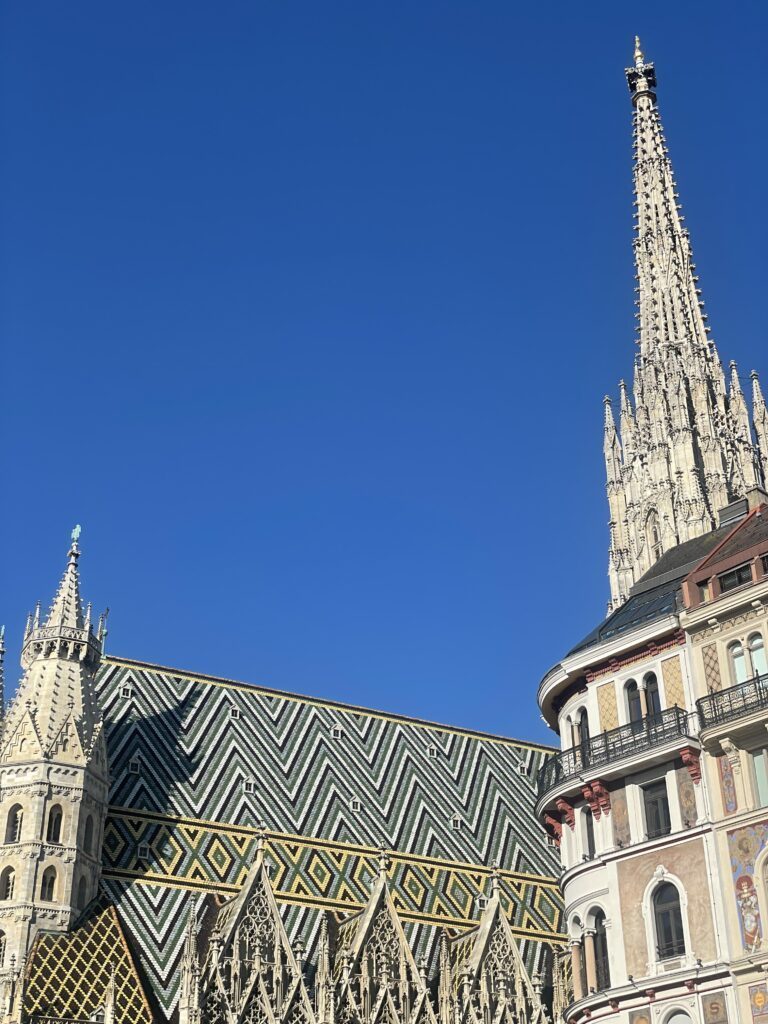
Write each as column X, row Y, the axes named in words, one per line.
column 735, row 578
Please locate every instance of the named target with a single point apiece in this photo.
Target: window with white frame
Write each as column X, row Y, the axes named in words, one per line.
column 738, row 662
column 656, row 809
column 634, row 704
column 668, row 922
column 759, row 763
column 756, row 646
column 652, row 696
column 589, row 834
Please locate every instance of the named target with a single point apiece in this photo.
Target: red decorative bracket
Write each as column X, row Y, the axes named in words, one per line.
column 554, row 827
column 590, row 796
column 691, row 758
column 567, row 811
column 602, row 796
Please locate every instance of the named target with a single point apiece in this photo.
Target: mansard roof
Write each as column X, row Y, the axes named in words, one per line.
column 656, row 594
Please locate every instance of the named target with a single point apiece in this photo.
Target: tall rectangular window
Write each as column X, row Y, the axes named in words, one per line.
column 589, row 834
column 656, row 804
column 759, row 760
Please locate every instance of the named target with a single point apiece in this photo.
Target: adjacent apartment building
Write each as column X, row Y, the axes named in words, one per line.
column 659, row 796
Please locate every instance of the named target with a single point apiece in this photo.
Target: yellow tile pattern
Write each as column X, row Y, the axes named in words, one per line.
column 68, row 976
column 711, row 667
column 672, row 675
column 606, row 705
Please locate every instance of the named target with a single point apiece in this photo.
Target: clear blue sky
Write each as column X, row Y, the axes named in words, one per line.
column 308, row 309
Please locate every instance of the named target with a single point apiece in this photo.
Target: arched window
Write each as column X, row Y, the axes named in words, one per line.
column 652, row 698
column 48, row 886
column 82, row 892
column 653, row 535
column 738, row 662
column 589, row 834
column 634, row 707
column 88, row 835
column 678, row 1017
column 582, row 727
column 13, row 824
column 670, row 938
column 7, row 881
column 757, row 651
column 601, row 953
column 55, row 816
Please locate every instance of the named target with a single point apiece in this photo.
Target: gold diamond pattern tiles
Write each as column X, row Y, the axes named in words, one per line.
column 672, row 674
column 319, row 873
column 711, row 667
column 606, row 703
column 69, row 976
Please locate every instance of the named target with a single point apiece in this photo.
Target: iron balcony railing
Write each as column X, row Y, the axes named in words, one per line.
column 633, row 738
column 735, row 702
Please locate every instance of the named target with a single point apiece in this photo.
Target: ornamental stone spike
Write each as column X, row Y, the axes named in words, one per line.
column 67, row 608
column 639, row 58
column 686, row 449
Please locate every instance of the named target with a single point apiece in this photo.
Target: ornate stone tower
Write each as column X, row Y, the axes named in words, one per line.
column 686, row 446
column 53, row 780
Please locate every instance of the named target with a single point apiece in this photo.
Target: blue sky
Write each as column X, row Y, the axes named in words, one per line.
column 307, row 311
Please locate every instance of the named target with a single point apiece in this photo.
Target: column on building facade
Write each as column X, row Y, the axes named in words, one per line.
column 576, row 969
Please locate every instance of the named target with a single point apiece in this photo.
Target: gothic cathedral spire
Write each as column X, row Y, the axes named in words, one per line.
column 53, row 780
column 686, row 447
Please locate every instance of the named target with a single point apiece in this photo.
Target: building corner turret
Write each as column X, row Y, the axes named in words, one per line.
column 53, row 781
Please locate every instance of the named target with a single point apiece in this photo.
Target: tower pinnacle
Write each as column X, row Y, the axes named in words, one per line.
column 686, row 448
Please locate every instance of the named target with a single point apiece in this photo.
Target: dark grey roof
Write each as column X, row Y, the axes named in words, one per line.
column 655, row 594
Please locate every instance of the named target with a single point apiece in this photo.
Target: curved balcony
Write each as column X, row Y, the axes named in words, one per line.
column 736, row 702
column 627, row 741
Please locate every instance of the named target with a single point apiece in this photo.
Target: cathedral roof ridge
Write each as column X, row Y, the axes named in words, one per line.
column 328, row 702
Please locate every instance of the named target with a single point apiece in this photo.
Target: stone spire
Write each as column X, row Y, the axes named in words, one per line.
column 56, row 701
column 686, row 448
column 760, row 418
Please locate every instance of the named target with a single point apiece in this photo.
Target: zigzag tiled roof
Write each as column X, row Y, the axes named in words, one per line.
column 328, row 801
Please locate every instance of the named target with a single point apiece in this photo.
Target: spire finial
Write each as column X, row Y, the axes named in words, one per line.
column 495, row 880
column 383, row 863
column 2, row 667
column 639, row 56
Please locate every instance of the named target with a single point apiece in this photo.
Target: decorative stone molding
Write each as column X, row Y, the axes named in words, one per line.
column 735, row 620
column 733, row 753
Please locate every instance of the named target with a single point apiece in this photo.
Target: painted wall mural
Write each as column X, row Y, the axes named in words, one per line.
column 727, row 785
column 744, row 846
column 758, row 1003
column 714, row 1008
column 622, row 835
column 639, row 1017
column 687, row 796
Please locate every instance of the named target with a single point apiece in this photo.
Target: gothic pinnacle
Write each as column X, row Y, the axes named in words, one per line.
column 639, row 58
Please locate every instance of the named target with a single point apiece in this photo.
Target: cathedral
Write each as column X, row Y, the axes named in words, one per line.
column 191, row 849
